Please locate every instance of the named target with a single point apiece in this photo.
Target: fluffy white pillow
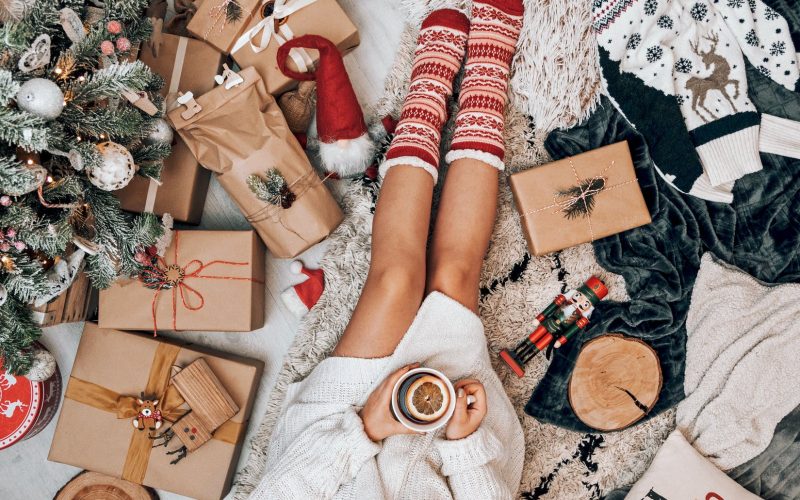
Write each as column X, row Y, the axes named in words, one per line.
column 679, row 472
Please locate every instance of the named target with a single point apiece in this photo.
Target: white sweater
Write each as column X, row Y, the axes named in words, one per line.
column 319, row 448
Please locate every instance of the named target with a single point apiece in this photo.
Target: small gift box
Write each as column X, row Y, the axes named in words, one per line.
column 579, row 199
column 258, row 45
column 113, row 371
column 238, row 131
column 26, row 406
column 191, row 287
column 77, row 303
column 188, row 65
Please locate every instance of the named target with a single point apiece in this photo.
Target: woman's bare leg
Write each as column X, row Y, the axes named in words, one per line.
column 396, row 280
column 463, row 227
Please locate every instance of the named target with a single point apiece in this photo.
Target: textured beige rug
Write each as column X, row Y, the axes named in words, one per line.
column 555, row 83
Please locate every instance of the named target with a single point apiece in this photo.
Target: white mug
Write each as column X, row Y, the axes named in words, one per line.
column 431, row 426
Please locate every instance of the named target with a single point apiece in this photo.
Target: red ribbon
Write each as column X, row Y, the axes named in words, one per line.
column 158, row 275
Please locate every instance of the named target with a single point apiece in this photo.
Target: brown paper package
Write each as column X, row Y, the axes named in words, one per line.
column 184, row 183
column 77, row 303
column 618, row 207
column 241, row 131
column 97, row 440
column 228, row 305
column 324, row 18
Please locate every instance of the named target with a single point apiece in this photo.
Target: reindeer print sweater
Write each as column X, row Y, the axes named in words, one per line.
column 676, row 69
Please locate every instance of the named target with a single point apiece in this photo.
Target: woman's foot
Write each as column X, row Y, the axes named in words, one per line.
column 440, row 50
column 483, row 96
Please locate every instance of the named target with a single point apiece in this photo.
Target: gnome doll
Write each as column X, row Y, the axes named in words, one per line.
column 301, row 297
column 344, row 143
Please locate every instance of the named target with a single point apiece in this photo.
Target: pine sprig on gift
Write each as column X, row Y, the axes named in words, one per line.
column 273, row 189
column 233, row 11
column 583, row 196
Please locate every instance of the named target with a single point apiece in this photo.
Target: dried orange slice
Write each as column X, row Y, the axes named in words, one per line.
column 427, row 398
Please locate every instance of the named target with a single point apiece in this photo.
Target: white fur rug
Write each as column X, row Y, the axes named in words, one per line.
column 555, row 83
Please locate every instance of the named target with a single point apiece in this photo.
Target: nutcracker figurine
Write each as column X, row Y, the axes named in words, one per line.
column 567, row 315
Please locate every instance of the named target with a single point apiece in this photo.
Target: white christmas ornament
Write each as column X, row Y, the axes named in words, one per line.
column 117, row 168
column 160, row 133
column 41, row 97
column 3, row 294
column 37, row 56
column 43, row 367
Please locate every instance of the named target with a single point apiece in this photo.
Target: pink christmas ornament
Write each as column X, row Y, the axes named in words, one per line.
column 106, row 47
column 5, row 201
column 5, row 246
column 123, row 44
column 20, row 245
column 114, row 27
column 11, row 232
column 141, row 258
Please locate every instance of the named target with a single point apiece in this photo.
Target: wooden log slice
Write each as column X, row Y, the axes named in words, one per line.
column 616, row 382
column 95, row 486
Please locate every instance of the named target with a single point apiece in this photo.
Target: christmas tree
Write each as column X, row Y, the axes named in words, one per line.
column 79, row 115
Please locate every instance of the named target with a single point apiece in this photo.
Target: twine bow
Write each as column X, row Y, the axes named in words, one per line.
column 271, row 27
column 579, row 200
column 162, row 276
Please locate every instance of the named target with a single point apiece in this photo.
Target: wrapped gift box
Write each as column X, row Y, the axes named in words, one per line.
column 95, row 431
column 77, row 303
column 239, row 132
column 579, row 199
column 186, row 65
column 322, row 17
column 26, row 406
column 206, row 280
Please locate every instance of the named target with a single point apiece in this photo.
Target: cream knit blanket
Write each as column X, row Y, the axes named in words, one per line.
column 742, row 363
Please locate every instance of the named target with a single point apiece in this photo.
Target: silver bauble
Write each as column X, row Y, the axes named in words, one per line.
column 3, row 294
column 160, row 133
column 41, row 97
column 117, row 168
column 43, row 366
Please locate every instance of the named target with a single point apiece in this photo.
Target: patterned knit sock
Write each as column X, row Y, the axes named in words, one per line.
column 440, row 49
column 492, row 40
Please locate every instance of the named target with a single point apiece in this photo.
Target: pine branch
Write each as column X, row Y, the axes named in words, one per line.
column 42, row 17
column 233, row 11
column 22, row 129
column 17, row 333
column 110, row 82
column 125, row 9
column 8, row 87
column 14, row 177
column 582, row 207
column 27, row 281
column 122, row 123
column 150, row 152
column 39, row 232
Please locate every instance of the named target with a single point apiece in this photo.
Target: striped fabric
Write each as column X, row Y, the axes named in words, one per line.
column 440, row 50
column 492, row 41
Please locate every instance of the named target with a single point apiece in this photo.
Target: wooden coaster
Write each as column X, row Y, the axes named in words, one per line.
column 95, row 486
column 616, row 382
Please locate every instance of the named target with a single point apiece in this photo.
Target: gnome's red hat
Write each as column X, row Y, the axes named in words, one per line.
column 345, row 147
column 302, row 296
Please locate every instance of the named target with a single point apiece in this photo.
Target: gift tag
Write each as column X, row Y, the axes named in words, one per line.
column 37, row 56
column 141, row 101
column 192, row 107
column 229, row 77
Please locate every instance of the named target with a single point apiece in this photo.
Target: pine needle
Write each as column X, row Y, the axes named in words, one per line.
column 582, row 207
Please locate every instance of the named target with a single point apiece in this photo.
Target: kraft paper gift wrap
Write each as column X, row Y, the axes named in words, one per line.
column 241, row 131
column 226, row 295
column 258, row 44
column 186, row 65
column 95, row 432
column 579, row 199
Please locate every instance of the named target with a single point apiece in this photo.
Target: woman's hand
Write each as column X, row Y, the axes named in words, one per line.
column 467, row 418
column 379, row 423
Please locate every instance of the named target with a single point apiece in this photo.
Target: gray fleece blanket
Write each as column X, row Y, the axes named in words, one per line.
column 758, row 233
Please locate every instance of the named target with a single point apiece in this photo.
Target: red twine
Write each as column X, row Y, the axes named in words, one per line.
column 173, row 276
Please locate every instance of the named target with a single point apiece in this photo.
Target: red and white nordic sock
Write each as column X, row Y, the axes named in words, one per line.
column 483, row 96
column 440, row 50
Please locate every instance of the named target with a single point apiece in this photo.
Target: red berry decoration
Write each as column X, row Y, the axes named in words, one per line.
column 123, row 44
column 5, row 201
column 5, row 246
column 20, row 245
column 11, row 233
column 141, row 258
column 114, row 27
column 106, row 47
column 152, row 251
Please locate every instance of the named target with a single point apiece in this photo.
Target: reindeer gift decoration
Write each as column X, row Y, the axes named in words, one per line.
column 211, row 406
column 148, row 416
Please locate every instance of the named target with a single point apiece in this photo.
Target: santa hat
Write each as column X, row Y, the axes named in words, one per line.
column 345, row 145
column 302, row 296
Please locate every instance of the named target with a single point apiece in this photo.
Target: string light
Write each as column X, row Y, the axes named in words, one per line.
column 49, row 178
column 59, row 70
column 102, row 136
column 81, row 78
column 30, row 162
